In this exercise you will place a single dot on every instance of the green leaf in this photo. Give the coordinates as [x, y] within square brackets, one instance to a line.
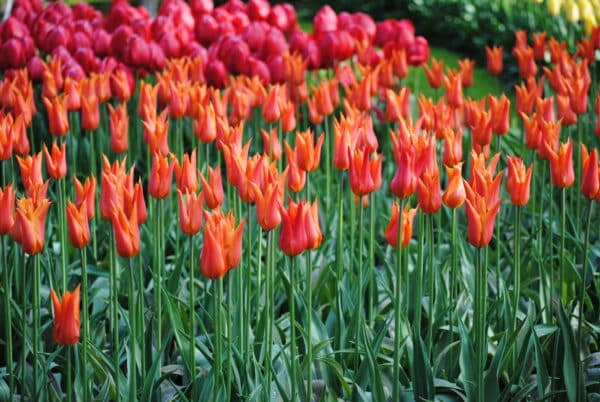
[422, 373]
[570, 356]
[467, 361]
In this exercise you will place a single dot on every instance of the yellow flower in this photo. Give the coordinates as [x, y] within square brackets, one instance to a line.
[572, 11]
[554, 7]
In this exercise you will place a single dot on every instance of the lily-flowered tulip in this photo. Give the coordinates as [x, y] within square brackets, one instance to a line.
[454, 90]
[58, 120]
[159, 184]
[428, 191]
[7, 209]
[56, 160]
[86, 194]
[455, 193]
[308, 154]
[518, 182]
[406, 222]
[190, 212]
[294, 238]
[126, 231]
[364, 172]
[590, 174]
[494, 59]
[90, 113]
[6, 136]
[156, 131]
[561, 165]
[30, 225]
[271, 144]
[435, 73]
[66, 317]
[500, 111]
[213, 188]
[404, 183]
[119, 128]
[467, 67]
[77, 222]
[481, 216]
[452, 155]
[267, 205]
[222, 247]
[271, 110]
[31, 170]
[186, 174]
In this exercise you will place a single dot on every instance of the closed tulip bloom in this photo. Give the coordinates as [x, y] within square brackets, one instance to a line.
[533, 134]
[56, 160]
[429, 192]
[561, 165]
[292, 237]
[288, 117]
[190, 212]
[364, 172]
[213, 188]
[396, 222]
[86, 194]
[119, 127]
[77, 222]
[159, 184]
[494, 59]
[6, 136]
[314, 237]
[271, 110]
[136, 197]
[31, 170]
[454, 90]
[341, 147]
[518, 182]
[527, 66]
[435, 73]
[271, 144]
[481, 216]
[58, 120]
[404, 183]
[205, 123]
[212, 260]
[119, 85]
[466, 72]
[30, 225]
[21, 144]
[186, 173]
[126, 231]
[590, 173]
[66, 317]
[7, 209]
[455, 193]
[90, 113]
[452, 155]
[296, 176]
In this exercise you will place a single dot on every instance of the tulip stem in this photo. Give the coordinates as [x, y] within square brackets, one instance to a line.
[292, 315]
[586, 245]
[480, 319]
[372, 294]
[397, 316]
[453, 282]
[132, 335]
[340, 269]
[561, 274]
[431, 274]
[217, 295]
[158, 278]
[192, 322]
[327, 143]
[8, 317]
[269, 301]
[517, 277]
[229, 331]
[418, 292]
[114, 313]
[36, 326]
[359, 300]
[86, 324]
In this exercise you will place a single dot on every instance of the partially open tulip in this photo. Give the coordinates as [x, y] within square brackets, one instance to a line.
[31, 170]
[500, 111]
[455, 193]
[494, 59]
[6, 136]
[77, 222]
[561, 165]
[190, 212]
[222, 247]
[481, 216]
[396, 222]
[30, 225]
[213, 188]
[292, 237]
[126, 231]
[86, 194]
[159, 184]
[271, 144]
[404, 183]
[454, 90]
[90, 113]
[428, 191]
[518, 182]
[308, 154]
[186, 174]
[267, 205]
[467, 66]
[119, 128]
[156, 131]
[7, 209]
[364, 172]
[58, 120]
[590, 174]
[66, 317]
[56, 160]
[435, 73]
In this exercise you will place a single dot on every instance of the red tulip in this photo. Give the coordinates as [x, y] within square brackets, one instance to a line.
[518, 182]
[56, 160]
[77, 222]
[7, 208]
[405, 222]
[190, 212]
[66, 317]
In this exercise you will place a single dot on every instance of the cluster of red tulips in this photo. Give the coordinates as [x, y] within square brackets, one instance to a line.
[231, 90]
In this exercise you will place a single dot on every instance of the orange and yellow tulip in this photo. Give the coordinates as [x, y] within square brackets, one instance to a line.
[518, 182]
[406, 222]
[77, 222]
[30, 225]
[66, 317]
[56, 160]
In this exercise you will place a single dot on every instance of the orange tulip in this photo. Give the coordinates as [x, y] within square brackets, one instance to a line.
[119, 127]
[452, 155]
[77, 222]
[454, 90]
[455, 194]
[481, 215]
[404, 183]
[561, 165]
[533, 134]
[21, 144]
[500, 110]
[391, 232]
[90, 113]
[213, 188]
[7, 208]
[364, 172]
[186, 173]
[30, 224]
[467, 67]
[271, 110]
[58, 120]
[190, 212]
[539, 45]
[6, 136]
[293, 238]
[481, 131]
[428, 191]
[435, 73]
[564, 112]
[148, 99]
[288, 116]
[397, 104]
[494, 59]
[31, 170]
[159, 184]
[518, 181]
[56, 160]
[308, 154]
[271, 144]
[590, 173]
[296, 176]
[527, 66]
[86, 194]
[525, 98]
[120, 86]
[72, 95]
[126, 231]
[222, 247]
[267, 205]
[205, 124]
[66, 317]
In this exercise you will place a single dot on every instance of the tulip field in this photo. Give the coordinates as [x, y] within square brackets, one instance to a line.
[213, 204]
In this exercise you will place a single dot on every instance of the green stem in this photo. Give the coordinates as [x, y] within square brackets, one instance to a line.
[418, 292]
[309, 344]
[141, 310]
[480, 320]
[561, 275]
[218, 296]
[132, 335]
[114, 314]
[544, 274]
[36, 327]
[372, 294]
[360, 302]
[517, 278]
[292, 318]
[340, 269]
[269, 302]
[158, 270]
[397, 300]
[8, 317]
[86, 324]
[586, 245]
[453, 283]
[431, 275]
[192, 321]
[229, 336]
[327, 144]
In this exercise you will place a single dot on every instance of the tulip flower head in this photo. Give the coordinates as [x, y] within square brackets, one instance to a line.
[56, 160]
[66, 313]
[455, 193]
[518, 181]
[7, 209]
[494, 59]
[77, 222]
[30, 225]
[190, 212]
[481, 216]
[590, 176]
[222, 247]
[561, 165]
[397, 222]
